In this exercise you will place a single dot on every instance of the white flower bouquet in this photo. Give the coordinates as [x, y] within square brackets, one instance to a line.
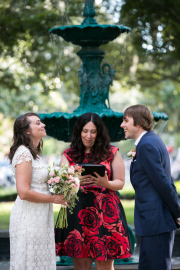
[65, 180]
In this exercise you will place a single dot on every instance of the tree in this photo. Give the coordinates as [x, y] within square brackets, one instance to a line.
[156, 53]
[39, 72]
[34, 64]
[30, 67]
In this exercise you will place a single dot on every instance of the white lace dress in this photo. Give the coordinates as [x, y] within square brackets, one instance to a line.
[32, 244]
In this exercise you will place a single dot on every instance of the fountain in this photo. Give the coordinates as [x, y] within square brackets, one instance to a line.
[94, 80]
[94, 83]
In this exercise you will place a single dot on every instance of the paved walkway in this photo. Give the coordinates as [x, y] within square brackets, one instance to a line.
[4, 265]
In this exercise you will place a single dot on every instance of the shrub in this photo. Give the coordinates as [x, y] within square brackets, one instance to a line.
[128, 193]
[7, 195]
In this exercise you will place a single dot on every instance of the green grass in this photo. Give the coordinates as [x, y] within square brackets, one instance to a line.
[6, 207]
[177, 184]
[129, 210]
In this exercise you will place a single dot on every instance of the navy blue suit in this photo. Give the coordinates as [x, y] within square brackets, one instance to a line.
[156, 201]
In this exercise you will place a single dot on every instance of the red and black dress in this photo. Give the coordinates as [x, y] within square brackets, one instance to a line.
[97, 228]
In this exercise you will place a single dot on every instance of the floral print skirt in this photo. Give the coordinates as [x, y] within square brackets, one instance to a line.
[97, 228]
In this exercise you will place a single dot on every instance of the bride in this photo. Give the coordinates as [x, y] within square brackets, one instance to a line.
[32, 243]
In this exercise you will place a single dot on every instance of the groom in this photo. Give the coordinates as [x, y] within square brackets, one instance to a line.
[157, 206]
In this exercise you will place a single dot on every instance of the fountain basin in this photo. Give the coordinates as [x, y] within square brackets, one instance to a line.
[90, 34]
[60, 125]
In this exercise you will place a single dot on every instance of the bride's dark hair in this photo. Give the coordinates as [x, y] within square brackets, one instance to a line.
[21, 124]
[100, 149]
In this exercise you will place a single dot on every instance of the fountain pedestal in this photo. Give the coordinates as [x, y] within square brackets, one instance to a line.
[94, 84]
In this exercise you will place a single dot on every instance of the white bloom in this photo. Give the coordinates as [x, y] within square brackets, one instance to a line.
[129, 154]
[77, 182]
[71, 169]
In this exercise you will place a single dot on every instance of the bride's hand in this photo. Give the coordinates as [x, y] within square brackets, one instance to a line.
[59, 199]
[86, 180]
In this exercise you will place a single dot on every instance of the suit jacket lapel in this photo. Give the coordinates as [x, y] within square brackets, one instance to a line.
[132, 163]
[131, 167]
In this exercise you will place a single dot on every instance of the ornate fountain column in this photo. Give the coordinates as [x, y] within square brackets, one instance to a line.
[94, 83]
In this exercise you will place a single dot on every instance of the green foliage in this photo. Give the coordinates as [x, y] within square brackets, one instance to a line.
[34, 64]
[5, 210]
[128, 193]
[155, 54]
[53, 146]
[128, 206]
[39, 72]
[29, 66]
[177, 184]
[7, 195]
[125, 147]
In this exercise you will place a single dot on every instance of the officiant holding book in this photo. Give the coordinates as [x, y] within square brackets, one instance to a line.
[97, 229]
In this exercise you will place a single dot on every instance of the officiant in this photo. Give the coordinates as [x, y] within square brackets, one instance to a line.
[97, 229]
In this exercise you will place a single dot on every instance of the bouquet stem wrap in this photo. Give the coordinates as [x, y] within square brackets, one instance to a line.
[62, 218]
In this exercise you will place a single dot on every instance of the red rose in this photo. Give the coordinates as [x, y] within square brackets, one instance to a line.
[74, 244]
[112, 246]
[117, 246]
[114, 195]
[91, 220]
[124, 244]
[98, 200]
[60, 250]
[97, 249]
[111, 213]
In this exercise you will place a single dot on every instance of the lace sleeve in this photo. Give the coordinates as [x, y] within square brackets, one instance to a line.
[22, 154]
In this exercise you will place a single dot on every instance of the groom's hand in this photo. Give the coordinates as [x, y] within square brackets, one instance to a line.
[178, 220]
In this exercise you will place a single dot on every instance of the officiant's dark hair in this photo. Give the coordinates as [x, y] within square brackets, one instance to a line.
[20, 137]
[100, 149]
[141, 115]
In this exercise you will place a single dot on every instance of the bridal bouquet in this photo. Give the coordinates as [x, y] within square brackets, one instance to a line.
[65, 180]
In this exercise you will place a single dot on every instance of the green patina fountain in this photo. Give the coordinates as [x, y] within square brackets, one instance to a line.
[94, 80]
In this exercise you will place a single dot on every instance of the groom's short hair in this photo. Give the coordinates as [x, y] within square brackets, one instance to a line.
[141, 115]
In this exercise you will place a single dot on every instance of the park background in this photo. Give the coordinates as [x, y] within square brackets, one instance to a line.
[38, 72]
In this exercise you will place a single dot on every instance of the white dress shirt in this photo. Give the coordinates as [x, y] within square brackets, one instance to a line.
[139, 138]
